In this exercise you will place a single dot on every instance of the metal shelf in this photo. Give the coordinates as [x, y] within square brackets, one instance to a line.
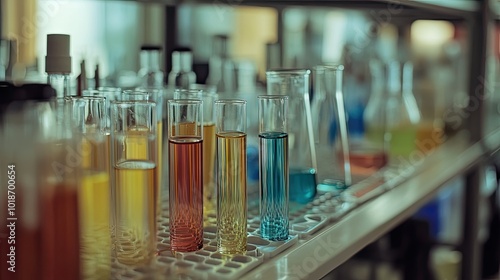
[446, 9]
[314, 258]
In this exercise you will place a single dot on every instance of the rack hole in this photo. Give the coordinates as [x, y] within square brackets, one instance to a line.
[232, 265]
[242, 259]
[257, 241]
[224, 271]
[194, 258]
[213, 262]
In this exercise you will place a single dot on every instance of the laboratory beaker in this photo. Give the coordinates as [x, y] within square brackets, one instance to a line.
[231, 176]
[185, 174]
[274, 170]
[42, 161]
[94, 195]
[209, 140]
[134, 156]
[295, 84]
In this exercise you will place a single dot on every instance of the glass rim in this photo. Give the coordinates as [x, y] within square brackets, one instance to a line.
[92, 91]
[230, 101]
[336, 67]
[289, 72]
[136, 91]
[109, 89]
[147, 90]
[186, 101]
[201, 92]
[85, 97]
[273, 97]
[123, 103]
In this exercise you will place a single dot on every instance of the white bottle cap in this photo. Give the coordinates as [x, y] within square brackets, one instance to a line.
[58, 60]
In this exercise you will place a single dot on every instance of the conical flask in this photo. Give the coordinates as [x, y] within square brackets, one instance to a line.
[302, 176]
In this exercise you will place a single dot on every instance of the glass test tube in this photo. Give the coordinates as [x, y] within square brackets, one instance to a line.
[303, 165]
[185, 174]
[209, 139]
[154, 95]
[94, 194]
[231, 176]
[133, 132]
[273, 161]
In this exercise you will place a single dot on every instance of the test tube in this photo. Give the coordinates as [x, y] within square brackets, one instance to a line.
[154, 95]
[133, 132]
[94, 194]
[185, 174]
[231, 176]
[209, 139]
[273, 171]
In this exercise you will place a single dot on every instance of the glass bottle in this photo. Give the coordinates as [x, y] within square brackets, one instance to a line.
[220, 66]
[58, 63]
[182, 75]
[150, 74]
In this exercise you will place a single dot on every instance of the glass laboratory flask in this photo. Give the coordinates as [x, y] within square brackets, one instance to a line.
[330, 128]
[303, 167]
[392, 115]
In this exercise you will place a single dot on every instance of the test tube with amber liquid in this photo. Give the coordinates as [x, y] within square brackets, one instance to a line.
[185, 174]
[231, 176]
[156, 96]
[94, 194]
[134, 156]
[209, 139]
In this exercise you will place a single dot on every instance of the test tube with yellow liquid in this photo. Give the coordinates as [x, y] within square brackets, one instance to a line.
[94, 194]
[137, 140]
[231, 176]
[209, 140]
[134, 157]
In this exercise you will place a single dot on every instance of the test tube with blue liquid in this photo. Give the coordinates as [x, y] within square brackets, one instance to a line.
[273, 171]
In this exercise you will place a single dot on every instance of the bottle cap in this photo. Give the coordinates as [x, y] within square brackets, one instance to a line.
[58, 59]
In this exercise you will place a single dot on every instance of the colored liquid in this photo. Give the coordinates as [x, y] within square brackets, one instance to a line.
[232, 193]
[366, 161]
[302, 184]
[429, 137]
[60, 254]
[402, 139]
[94, 207]
[186, 194]
[209, 167]
[274, 185]
[135, 211]
[159, 159]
